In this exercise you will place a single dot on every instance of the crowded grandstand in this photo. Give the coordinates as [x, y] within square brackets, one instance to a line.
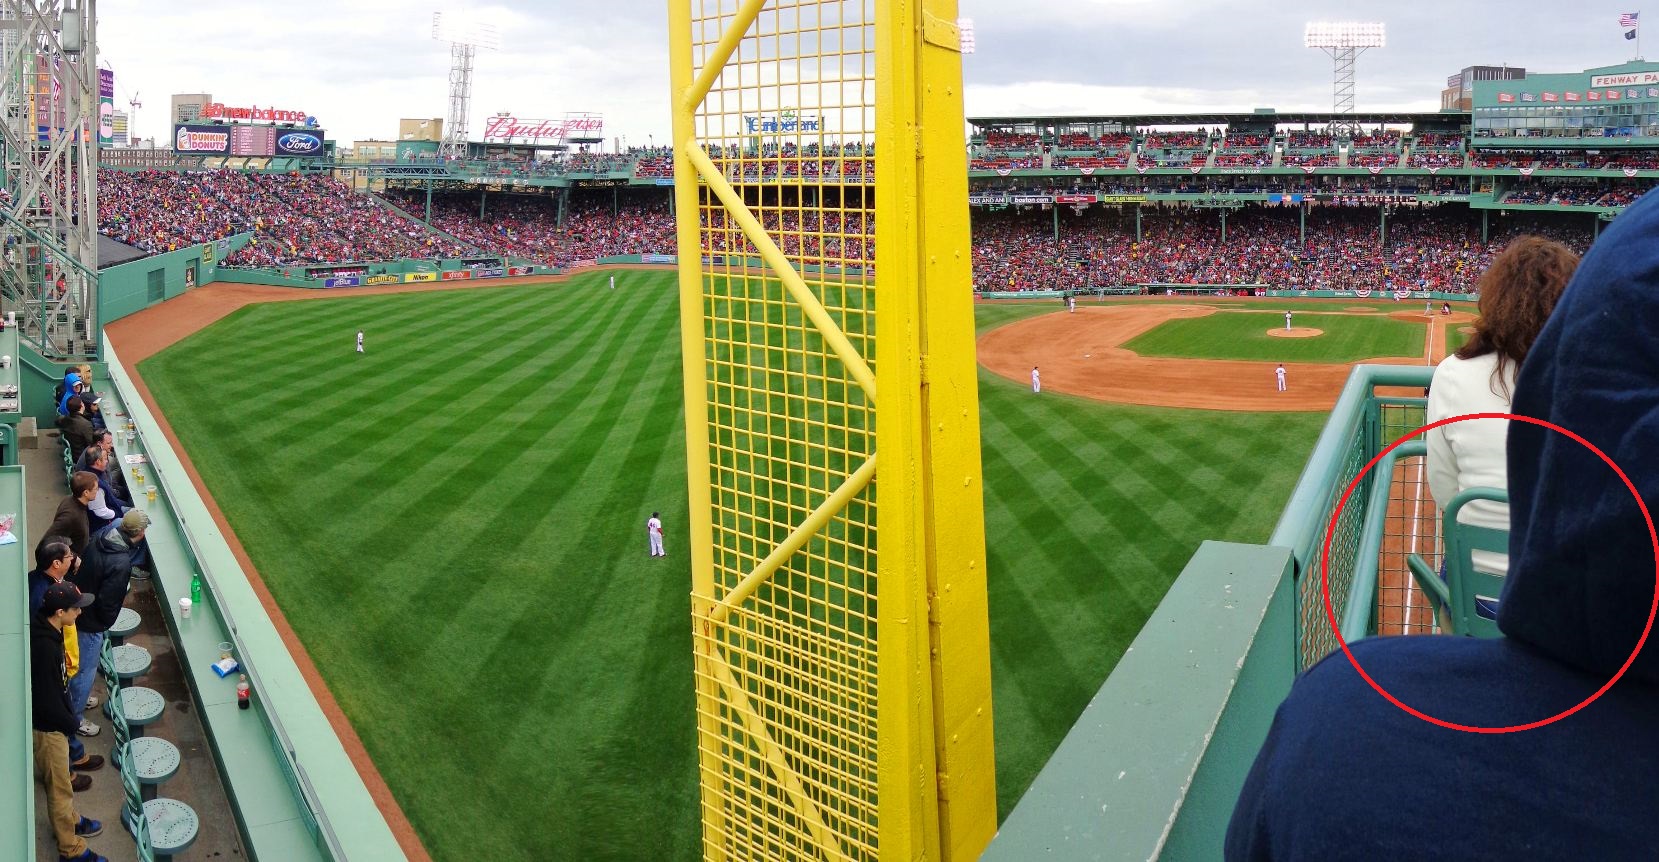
[1077, 204]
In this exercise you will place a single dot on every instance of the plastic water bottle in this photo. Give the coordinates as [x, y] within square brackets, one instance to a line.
[196, 588]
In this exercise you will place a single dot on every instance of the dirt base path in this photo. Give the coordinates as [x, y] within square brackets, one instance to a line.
[1082, 354]
[142, 335]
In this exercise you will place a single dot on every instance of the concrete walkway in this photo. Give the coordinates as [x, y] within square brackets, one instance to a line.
[197, 782]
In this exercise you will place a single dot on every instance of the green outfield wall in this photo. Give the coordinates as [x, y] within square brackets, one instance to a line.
[132, 287]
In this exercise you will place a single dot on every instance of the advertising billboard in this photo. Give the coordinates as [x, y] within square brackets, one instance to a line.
[195, 138]
[106, 107]
[299, 142]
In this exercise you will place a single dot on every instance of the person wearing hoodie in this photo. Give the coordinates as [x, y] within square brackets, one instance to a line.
[54, 722]
[1345, 775]
[65, 388]
[54, 560]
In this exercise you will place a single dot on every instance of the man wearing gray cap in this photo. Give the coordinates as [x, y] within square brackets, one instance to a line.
[105, 574]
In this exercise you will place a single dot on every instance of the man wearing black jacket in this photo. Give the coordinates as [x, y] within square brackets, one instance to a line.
[106, 573]
[54, 721]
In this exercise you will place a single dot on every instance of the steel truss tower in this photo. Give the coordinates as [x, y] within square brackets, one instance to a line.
[465, 36]
[1344, 41]
[49, 152]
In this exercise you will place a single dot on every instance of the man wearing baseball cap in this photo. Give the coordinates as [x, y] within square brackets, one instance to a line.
[54, 721]
[106, 574]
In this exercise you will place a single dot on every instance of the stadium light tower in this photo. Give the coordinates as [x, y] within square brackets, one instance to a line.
[465, 35]
[1344, 41]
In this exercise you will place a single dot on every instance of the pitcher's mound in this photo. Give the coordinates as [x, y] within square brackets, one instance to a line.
[1296, 332]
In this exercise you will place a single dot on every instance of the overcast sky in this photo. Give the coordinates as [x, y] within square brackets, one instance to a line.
[360, 65]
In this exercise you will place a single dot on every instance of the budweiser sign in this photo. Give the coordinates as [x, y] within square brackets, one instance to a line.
[218, 111]
[503, 128]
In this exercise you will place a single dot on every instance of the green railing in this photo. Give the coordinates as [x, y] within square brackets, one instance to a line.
[1153, 766]
[1360, 425]
[17, 762]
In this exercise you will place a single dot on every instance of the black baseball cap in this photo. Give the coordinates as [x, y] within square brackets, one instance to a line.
[63, 596]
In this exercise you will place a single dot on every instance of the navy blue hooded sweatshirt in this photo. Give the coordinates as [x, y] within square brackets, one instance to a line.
[1345, 775]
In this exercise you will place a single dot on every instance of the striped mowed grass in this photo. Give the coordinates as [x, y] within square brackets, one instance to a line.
[453, 524]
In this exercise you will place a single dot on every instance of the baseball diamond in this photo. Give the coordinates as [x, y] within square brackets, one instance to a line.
[803, 430]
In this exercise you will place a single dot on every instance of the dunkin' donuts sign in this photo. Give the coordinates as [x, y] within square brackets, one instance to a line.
[201, 139]
[508, 127]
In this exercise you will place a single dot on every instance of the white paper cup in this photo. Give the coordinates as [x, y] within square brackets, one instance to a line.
[184, 607]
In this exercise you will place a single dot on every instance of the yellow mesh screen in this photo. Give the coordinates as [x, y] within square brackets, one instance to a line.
[785, 622]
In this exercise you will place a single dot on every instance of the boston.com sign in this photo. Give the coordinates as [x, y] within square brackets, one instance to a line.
[787, 121]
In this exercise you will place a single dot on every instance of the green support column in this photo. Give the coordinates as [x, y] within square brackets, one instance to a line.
[564, 200]
[1137, 223]
[1595, 230]
[1056, 208]
[1302, 218]
[1485, 224]
[482, 192]
[615, 193]
[429, 203]
[1224, 227]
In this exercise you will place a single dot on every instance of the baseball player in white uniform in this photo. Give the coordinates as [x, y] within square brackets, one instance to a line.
[1036, 380]
[653, 531]
[613, 282]
[359, 341]
[1280, 374]
[1287, 321]
[1071, 304]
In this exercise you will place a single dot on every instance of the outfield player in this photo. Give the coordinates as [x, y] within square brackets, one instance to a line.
[653, 531]
[1036, 380]
[1280, 374]
[613, 282]
[359, 341]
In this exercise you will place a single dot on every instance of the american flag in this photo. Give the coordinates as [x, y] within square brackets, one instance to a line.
[1628, 19]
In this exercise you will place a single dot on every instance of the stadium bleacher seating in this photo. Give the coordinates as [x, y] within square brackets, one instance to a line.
[1434, 248]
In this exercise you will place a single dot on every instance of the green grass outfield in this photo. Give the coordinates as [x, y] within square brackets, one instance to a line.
[454, 526]
[1243, 335]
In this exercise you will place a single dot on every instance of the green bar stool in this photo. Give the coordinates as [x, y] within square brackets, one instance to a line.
[126, 623]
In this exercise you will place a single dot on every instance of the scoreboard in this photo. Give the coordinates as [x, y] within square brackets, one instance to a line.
[248, 139]
[252, 140]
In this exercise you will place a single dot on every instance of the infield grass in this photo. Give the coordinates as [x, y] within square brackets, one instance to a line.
[1244, 335]
[453, 524]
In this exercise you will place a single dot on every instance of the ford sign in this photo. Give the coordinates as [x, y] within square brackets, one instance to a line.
[299, 144]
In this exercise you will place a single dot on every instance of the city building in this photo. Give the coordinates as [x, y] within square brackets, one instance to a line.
[1460, 88]
[119, 121]
[187, 107]
[420, 130]
[1613, 105]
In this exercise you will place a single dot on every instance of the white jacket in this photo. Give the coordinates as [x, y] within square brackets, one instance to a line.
[1471, 454]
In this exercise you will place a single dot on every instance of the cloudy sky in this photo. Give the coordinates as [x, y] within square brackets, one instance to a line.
[360, 65]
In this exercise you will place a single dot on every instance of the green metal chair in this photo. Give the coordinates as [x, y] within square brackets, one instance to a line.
[1459, 593]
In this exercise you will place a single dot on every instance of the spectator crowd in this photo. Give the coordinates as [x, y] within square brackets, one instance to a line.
[1434, 249]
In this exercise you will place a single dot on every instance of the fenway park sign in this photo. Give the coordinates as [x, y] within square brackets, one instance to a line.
[503, 128]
